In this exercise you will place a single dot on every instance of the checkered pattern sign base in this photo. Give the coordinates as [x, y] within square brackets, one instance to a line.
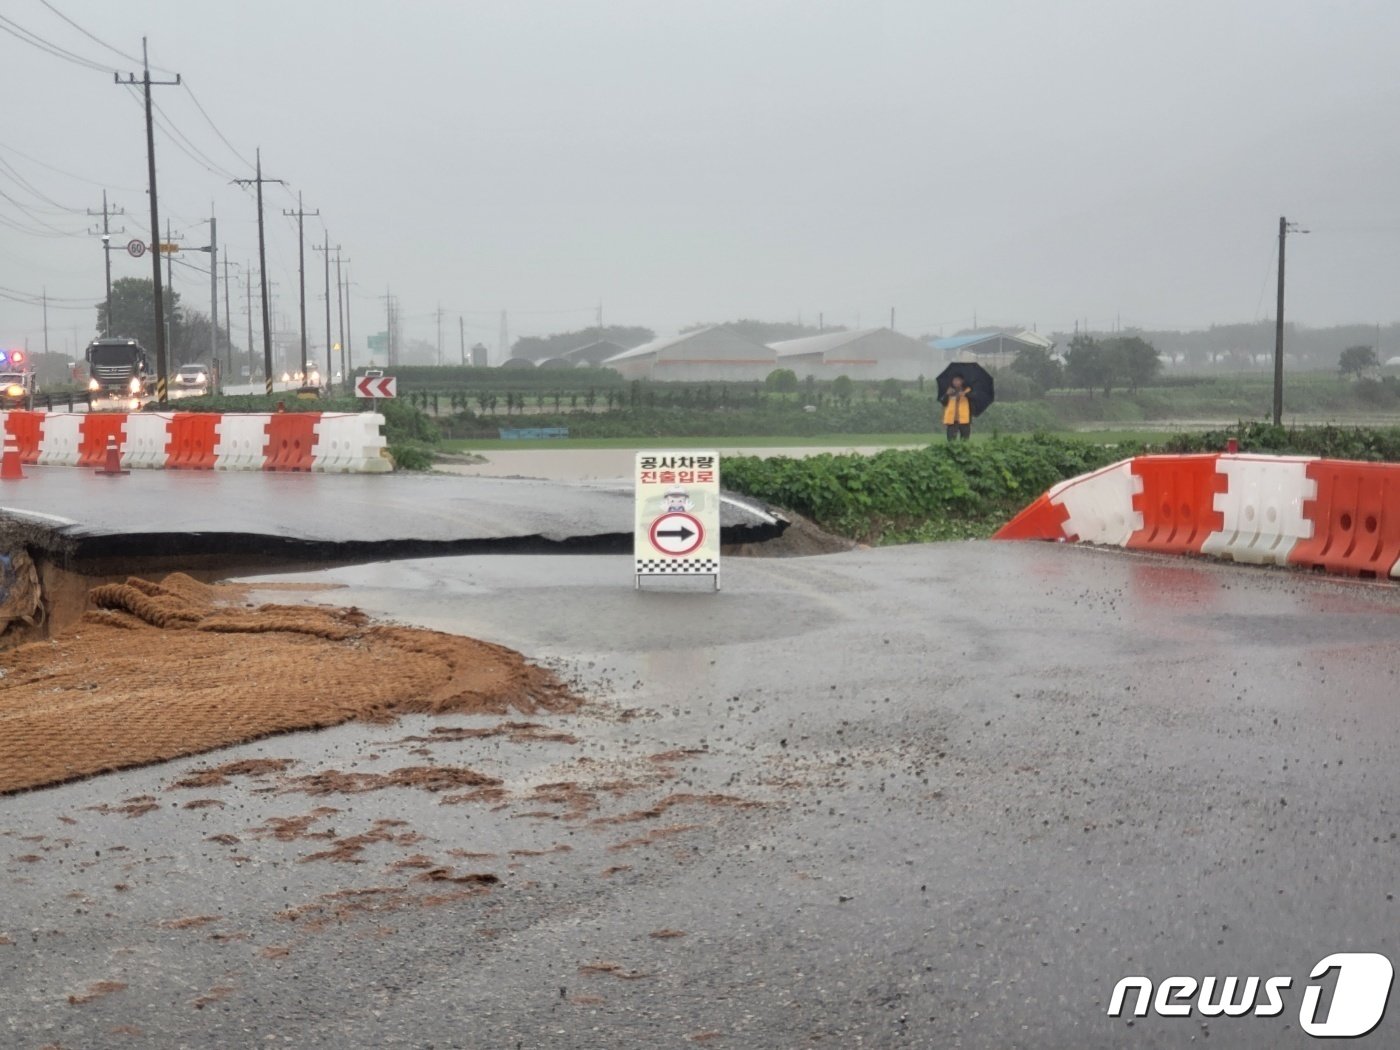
[677, 567]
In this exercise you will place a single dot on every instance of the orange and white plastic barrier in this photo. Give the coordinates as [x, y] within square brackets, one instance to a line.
[315, 441]
[147, 435]
[241, 441]
[1334, 515]
[60, 437]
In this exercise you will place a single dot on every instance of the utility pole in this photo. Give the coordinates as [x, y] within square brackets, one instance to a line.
[327, 249]
[158, 302]
[301, 213]
[252, 361]
[391, 316]
[891, 318]
[388, 326]
[262, 277]
[46, 320]
[462, 335]
[1284, 229]
[228, 322]
[213, 293]
[340, 311]
[107, 253]
[439, 321]
[349, 337]
[168, 250]
[504, 339]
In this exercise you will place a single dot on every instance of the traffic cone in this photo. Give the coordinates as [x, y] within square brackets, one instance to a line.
[113, 466]
[10, 467]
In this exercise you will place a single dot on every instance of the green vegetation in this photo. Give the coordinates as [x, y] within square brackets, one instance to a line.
[1370, 444]
[943, 491]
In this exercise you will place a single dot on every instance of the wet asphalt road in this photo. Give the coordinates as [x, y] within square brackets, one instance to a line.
[990, 780]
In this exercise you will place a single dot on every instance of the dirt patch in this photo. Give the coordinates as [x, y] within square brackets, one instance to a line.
[290, 829]
[800, 539]
[657, 809]
[428, 778]
[250, 767]
[654, 836]
[515, 732]
[471, 878]
[611, 969]
[347, 850]
[96, 990]
[346, 905]
[132, 807]
[160, 670]
[190, 922]
[217, 994]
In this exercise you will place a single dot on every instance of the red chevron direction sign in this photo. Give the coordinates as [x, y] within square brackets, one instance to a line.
[677, 533]
[376, 386]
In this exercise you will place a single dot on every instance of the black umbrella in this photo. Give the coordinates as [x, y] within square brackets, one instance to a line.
[981, 389]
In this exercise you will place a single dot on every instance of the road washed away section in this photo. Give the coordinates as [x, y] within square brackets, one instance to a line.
[1330, 515]
[160, 521]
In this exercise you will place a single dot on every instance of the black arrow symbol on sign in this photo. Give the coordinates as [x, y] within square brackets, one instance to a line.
[683, 533]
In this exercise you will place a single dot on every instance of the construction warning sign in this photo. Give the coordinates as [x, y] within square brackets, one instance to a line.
[677, 514]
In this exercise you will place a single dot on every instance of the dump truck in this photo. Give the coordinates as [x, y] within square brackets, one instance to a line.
[119, 370]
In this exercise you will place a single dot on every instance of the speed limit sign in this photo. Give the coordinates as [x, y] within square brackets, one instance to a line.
[136, 248]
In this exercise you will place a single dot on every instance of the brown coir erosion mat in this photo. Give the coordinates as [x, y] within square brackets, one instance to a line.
[160, 670]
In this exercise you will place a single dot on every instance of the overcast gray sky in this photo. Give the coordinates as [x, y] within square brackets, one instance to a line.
[1018, 162]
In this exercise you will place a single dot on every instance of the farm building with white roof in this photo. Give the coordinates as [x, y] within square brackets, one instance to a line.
[715, 353]
[994, 348]
[866, 353]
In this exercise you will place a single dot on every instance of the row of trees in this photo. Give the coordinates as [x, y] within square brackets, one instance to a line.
[539, 347]
[1092, 364]
[133, 317]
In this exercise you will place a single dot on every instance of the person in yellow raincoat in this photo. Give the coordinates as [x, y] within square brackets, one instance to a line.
[957, 410]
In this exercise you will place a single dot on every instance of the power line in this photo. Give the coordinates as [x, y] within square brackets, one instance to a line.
[188, 141]
[69, 174]
[49, 229]
[35, 40]
[26, 184]
[178, 140]
[37, 297]
[94, 39]
[207, 117]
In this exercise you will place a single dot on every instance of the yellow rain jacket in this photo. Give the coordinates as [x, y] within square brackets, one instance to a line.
[958, 409]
